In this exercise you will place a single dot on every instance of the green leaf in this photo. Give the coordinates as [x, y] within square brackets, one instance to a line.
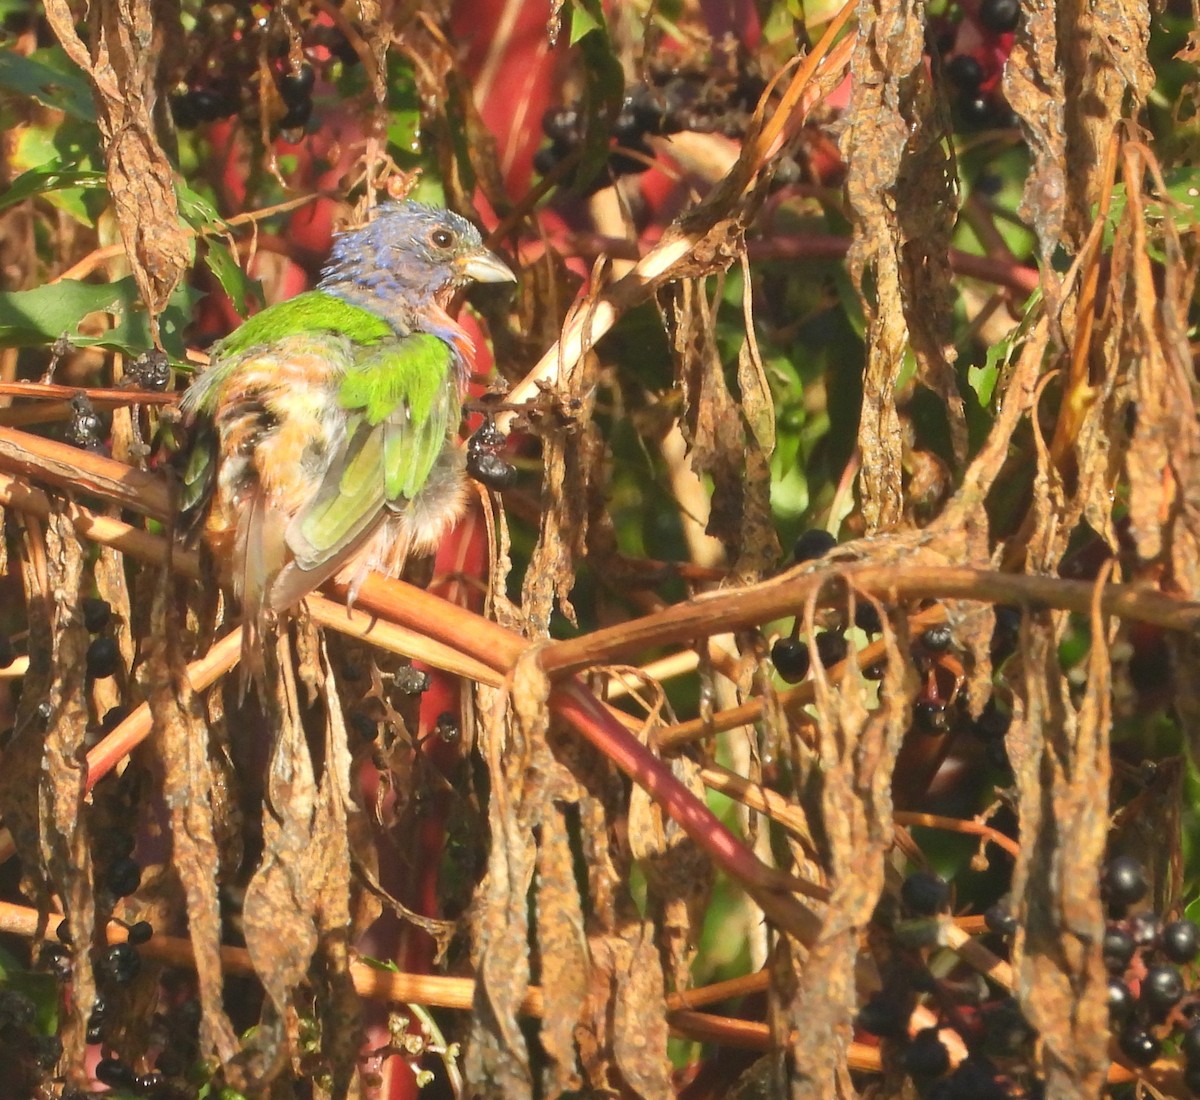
[197, 211]
[54, 176]
[31, 318]
[1181, 204]
[983, 379]
[586, 16]
[49, 77]
[243, 291]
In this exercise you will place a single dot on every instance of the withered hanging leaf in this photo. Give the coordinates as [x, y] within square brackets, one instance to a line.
[66, 855]
[562, 949]
[716, 432]
[1061, 765]
[341, 1032]
[1034, 87]
[625, 1043]
[679, 876]
[572, 451]
[121, 65]
[853, 778]
[899, 185]
[497, 1059]
[282, 892]
[1105, 72]
[181, 740]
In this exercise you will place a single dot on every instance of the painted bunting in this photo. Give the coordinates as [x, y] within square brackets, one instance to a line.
[323, 432]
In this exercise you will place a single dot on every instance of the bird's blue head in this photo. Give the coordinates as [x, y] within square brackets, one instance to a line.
[405, 264]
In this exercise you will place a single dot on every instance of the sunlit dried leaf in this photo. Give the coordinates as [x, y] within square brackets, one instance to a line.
[1034, 87]
[679, 877]
[121, 63]
[282, 891]
[181, 738]
[1062, 769]
[563, 950]
[852, 778]
[719, 444]
[66, 855]
[901, 192]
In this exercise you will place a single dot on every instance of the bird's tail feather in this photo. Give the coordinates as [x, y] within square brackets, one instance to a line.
[261, 549]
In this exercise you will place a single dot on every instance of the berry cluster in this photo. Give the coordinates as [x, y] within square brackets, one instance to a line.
[973, 53]
[103, 654]
[1148, 998]
[671, 99]
[996, 1037]
[223, 75]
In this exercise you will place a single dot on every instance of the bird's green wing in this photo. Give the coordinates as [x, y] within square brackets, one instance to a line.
[402, 402]
[313, 325]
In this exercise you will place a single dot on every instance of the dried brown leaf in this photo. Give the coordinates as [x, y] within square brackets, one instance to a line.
[562, 949]
[1034, 87]
[66, 855]
[511, 741]
[181, 740]
[282, 892]
[715, 428]
[851, 776]
[1061, 765]
[120, 62]
[901, 194]
[679, 875]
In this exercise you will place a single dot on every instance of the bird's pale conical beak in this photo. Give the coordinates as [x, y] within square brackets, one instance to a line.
[483, 267]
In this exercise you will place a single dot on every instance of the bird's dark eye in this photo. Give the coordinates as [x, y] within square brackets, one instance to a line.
[441, 238]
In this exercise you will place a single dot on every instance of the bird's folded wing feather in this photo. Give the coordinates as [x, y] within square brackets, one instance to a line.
[402, 401]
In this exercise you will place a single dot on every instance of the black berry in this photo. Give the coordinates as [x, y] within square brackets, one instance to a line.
[926, 1055]
[447, 727]
[7, 653]
[831, 647]
[993, 722]
[120, 963]
[1118, 949]
[124, 877]
[1124, 881]
[149, 371]
[140, 932]
[976, 110]
[883, 1016]
[965, 71]
[812, 544]
[925, 894]
[115, 1074]
[866, 618]
[364, 725]
[96, 614]
[1000, 920]
[1006, 631]
[938, 638]
[1000, 16]
[1180, 941]
[1006, 1029]
[1144, 928]
[791, 659]
[1189, 1045]
[1162, 989]
[876, 670]
[492, 470]
[931, 716]
[85, 429]
[296, 85]
[1139, 1046]
[103, 658]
